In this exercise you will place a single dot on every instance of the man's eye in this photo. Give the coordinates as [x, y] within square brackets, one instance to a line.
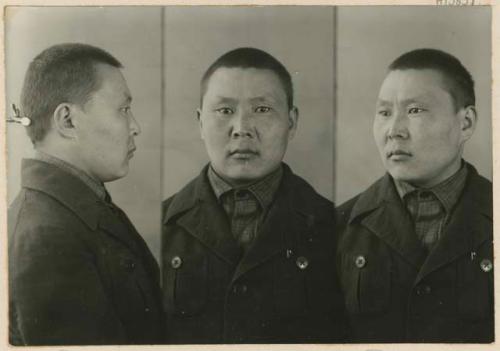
[224, 111]
[414, 110]
[262, 109]
[383, 113]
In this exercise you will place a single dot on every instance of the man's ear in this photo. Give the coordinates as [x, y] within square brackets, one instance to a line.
[468, 121]
[200, 123]
[63, 118]
[293, 120]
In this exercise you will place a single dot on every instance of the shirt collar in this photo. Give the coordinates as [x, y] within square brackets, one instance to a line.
[263, 190]
[96, 186]
[447, 192]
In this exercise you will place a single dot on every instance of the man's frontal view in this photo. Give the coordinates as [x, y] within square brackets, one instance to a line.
[248, 247]
[416, 247]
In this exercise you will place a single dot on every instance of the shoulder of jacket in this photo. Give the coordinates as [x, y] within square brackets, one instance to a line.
[180, 201]
[343, 211]
[303, 192]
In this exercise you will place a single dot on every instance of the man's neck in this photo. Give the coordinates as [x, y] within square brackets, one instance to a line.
[64, 153]
[96, 185]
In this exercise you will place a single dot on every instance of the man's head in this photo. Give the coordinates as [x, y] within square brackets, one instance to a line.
[425, 112]
[246, 115]
[79, 105]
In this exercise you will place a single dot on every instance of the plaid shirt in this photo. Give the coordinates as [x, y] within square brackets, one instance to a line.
[431, 208]
[246, 207]
[96, 186]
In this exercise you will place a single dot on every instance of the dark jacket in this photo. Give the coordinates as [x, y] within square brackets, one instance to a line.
[394, 293]
[211, 296]
[78, 274]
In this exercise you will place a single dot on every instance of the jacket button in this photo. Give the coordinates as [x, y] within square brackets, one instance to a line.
[302, 262]
[486, 265]
[360, 261]
[240, 289]
[176, 262]
[129, 264]
[423, 290]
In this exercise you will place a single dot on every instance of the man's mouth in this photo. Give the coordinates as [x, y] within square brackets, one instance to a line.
[398, 154]
[243, 154]
[131, 151]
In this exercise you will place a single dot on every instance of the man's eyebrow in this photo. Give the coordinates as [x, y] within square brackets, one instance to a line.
[416, 99]
[223, 99]
[264, 98]
[381, 102]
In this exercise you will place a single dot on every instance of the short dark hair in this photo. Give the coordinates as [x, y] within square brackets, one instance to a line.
[60, 73]
[250, 58]
[458, 81]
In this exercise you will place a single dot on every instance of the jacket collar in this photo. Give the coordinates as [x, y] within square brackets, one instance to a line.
[384, 191]
[380, 192]
[64, 187]
[196, 209]
[74, 194]
[199, 190]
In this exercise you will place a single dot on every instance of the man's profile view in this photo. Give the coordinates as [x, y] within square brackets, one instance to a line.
[79, 273]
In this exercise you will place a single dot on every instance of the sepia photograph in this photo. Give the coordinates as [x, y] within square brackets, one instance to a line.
[249, 175]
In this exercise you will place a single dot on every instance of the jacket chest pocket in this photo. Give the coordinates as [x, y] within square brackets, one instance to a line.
[366, 281]
[475, 287]
[186, 284]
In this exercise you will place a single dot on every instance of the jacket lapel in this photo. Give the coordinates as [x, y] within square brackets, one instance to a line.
[113, 225]
[289, 217]
[271, 237]
[470, 226]
[117, 224]
[381, 211]
[208, 223]
[198, 212]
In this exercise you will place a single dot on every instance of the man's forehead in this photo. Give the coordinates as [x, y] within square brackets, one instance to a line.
[262, 82]
[112, 82]
[414, 84]
[230, 73]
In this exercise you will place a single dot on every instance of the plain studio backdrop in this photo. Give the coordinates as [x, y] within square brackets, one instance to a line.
[166, 50]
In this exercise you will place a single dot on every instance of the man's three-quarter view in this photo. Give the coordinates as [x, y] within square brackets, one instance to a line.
[416, 248]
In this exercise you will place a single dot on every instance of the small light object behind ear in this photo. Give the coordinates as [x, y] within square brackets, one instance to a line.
[17, 118]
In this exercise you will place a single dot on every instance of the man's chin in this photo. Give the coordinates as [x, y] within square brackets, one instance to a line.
[115, 175]
[242, 177]
[402, 175]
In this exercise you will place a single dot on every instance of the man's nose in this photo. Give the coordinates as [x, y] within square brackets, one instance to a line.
[243, 125]
[398, 127]
[135, 128]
